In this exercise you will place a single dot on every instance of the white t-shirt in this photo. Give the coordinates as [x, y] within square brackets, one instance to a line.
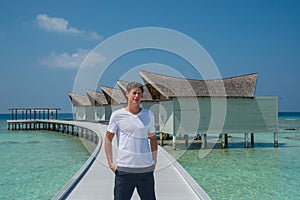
[132, 137]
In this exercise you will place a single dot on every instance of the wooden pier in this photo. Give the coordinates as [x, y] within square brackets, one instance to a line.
[47, 119]
[54, 125]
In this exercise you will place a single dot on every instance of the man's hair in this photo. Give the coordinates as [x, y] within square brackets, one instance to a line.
[134, 85]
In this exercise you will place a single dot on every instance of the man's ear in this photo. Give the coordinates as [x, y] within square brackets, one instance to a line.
[127, 94]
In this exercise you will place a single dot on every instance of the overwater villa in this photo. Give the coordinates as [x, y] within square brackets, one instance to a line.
[189, 106]
[101, 107]
[82, 106]
[185, 107]
[115, 99]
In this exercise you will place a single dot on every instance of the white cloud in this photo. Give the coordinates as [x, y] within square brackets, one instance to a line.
[72, 60]
[61, 25]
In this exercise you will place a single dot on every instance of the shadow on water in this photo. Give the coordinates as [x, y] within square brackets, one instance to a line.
[30, 142]
[292, 137]
[237, 145]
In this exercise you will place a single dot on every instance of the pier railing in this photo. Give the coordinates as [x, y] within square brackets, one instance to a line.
[34, 113]
[62, 126]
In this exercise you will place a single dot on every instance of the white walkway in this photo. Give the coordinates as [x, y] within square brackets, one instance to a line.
[172, 181]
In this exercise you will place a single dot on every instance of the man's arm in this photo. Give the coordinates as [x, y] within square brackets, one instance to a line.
[108, 150]
[153, 145]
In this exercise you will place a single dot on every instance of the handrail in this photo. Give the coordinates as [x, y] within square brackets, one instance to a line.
[72, 183]
[66, 190]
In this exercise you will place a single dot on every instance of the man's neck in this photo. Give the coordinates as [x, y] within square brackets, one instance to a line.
[133, 109]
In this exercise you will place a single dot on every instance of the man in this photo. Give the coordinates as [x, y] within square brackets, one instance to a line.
[133, 127]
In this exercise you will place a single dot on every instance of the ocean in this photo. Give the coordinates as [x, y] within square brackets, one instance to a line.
[37, 164]
[262, 172]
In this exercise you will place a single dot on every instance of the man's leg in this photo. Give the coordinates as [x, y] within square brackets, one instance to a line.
[124, 185]
[146, 186]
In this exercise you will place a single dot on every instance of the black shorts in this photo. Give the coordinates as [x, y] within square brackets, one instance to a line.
[126, 182]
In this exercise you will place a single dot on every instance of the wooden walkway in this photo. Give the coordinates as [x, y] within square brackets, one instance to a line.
[95, 180]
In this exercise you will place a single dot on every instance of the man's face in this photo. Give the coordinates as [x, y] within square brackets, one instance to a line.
[135, 96]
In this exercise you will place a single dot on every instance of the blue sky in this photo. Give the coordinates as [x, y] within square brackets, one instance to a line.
[42, 43]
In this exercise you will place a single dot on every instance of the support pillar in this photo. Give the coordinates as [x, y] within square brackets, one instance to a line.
[246, 140]
[12, 115]
[226, 140]
[63, 128]
[276, 139]
[174, 142]
[203, 141]
[223, 141]
[186, 140]
[252, 139]
[76, 131]
[161, 139]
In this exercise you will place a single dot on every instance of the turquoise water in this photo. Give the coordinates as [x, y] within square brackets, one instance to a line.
[263, 172]
[37, 164]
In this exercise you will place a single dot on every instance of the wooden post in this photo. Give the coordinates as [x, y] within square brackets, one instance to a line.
[246, 140]
[77, 131]
[276, 139]
[174, 142]
[252, 139]
[186, 140]
[84, 133]
[226, 140]
[161, 139]
[203, 141]
[223, 141]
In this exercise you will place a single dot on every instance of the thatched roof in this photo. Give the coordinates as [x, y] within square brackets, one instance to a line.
[113, 95]
[146, 95]
[96, 98]
[164, 87]
[79, 100]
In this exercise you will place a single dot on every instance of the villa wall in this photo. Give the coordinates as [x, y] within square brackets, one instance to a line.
[242, 115]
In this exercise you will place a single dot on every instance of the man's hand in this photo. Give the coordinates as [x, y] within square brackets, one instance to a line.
[112, 166]
[153, 145]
